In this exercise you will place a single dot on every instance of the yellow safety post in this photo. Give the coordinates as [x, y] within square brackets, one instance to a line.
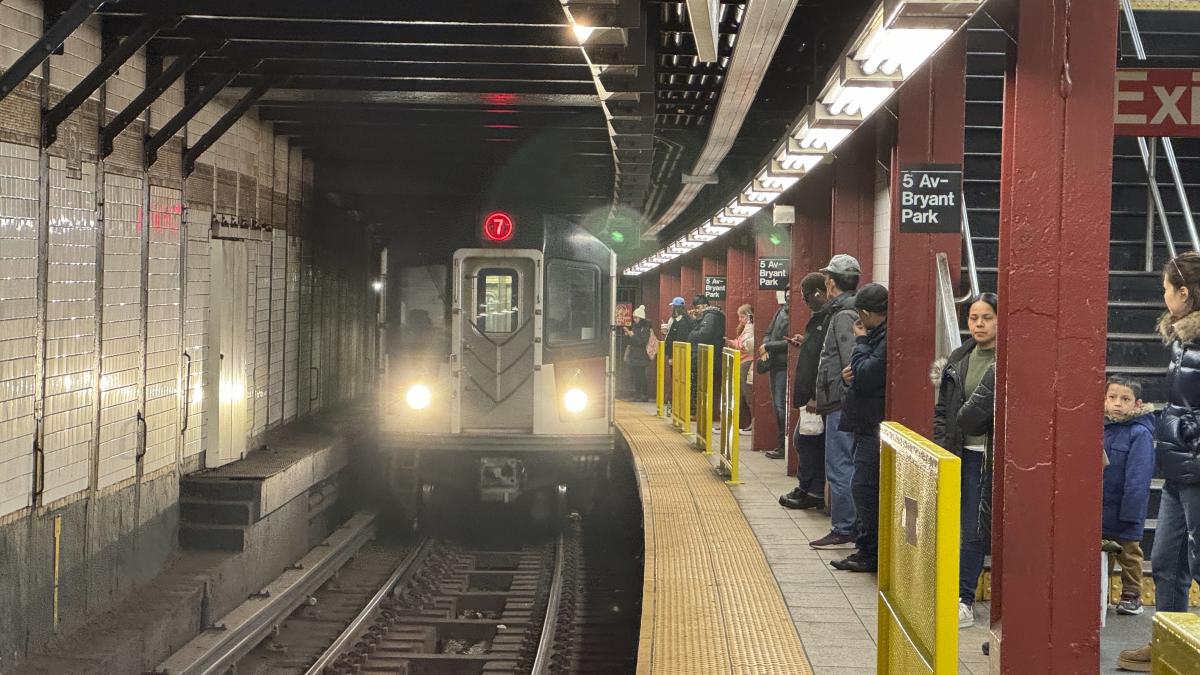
[660, 379]
[681, 386]
[918, 554]
[731, 396]
[704, 387]
[1175, 643]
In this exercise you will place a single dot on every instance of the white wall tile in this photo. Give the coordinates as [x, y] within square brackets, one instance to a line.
[163, 307]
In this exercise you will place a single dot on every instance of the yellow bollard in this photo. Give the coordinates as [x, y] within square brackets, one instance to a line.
[731, 395]
[660, 389]
[1175, 643]
[918, 554]
[681, 386]
[704, 411]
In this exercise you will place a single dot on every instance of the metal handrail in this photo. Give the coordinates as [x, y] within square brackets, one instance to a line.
[1168, 149]
[948, 337]
[972, 270]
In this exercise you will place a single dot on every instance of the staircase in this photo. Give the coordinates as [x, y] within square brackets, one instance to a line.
[1135, 294]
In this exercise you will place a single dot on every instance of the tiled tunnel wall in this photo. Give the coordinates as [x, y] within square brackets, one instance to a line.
[106, 320]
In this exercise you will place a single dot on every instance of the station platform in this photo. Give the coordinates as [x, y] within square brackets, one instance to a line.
[731, 584]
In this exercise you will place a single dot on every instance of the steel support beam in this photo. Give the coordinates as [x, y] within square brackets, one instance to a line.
[109, 65]
[155, 89]
[49, 43]
[929, 130]
[766, 303]
[1056, 188]
[185, 114]
[852, 214]
[191, 154]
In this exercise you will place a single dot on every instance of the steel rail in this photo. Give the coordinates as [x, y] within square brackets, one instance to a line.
[218, 649]
[368, 611]
[542, 662]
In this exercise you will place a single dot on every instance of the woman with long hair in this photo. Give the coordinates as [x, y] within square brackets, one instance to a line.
[1175, 558]
[744, 343]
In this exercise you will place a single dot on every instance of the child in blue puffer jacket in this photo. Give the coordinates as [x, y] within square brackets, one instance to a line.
[1129, 446]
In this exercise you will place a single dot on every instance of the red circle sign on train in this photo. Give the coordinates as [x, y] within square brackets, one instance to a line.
[498, 226]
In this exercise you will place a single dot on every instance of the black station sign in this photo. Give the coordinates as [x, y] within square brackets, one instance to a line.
[931, 198]
[773, 274]
[715, 287]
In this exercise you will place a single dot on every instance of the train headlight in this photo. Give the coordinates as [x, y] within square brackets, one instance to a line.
[575, 401]
[419, 397]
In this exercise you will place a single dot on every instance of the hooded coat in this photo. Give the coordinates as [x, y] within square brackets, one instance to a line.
[1177, 434]
[949, 375]
[863, 403]
[775, 340]
[1129, 443]
[708, 330]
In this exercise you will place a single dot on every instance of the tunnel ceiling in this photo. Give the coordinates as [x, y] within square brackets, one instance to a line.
[420, 111]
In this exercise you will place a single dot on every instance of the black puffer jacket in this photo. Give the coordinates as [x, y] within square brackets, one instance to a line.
[1177, 435]
[804, 382]
[950, 375]
[862, 406]
[709, 330]
[976, 417]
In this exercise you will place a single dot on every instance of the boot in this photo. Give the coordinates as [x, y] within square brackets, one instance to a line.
[1137, 660]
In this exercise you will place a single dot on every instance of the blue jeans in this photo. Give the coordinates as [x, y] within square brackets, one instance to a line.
[973, 546]
[866, 494]
[839, 474]
[1176, 554]
[779, 399]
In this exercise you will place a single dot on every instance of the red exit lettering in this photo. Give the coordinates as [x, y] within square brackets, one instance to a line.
[1157, 102]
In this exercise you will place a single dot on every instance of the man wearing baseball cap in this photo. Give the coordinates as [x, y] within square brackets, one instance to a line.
[862, 412]
[841, 280]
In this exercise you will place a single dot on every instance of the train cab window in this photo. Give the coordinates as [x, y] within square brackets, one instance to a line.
[572, 302]
[497, 301]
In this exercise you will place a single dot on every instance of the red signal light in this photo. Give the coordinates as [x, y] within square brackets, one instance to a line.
[498, 226]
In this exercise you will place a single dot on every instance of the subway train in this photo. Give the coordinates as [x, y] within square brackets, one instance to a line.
[499, 376]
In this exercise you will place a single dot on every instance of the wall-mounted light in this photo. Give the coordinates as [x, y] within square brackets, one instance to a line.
[377, 285]
[582, 33]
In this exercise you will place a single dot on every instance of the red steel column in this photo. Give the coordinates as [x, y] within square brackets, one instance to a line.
[766, 435]
[739, 273]
[930, 131]
[853, 201]
[656, 311]
[690, 283]
[668, 287]
[713, 264]
[810, 237]
[1056, 186]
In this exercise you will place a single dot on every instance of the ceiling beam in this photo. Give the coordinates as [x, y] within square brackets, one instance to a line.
[459, 11]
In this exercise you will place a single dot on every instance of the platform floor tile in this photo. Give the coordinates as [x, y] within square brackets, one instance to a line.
[710, 601]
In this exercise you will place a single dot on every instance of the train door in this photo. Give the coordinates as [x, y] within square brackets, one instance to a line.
[228, 354]
[495, 342]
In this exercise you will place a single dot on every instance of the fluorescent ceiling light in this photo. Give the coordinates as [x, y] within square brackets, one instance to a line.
[856, 99]
[727, 220]
[899, 50]
[758, 196]
[582, 33]
[776, 183]
[737, 208]
[700, 235]
[714, 230]
[683, 242]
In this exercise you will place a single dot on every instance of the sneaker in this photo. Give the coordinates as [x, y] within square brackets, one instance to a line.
[966, 615]
[857, 562]
[1130, 605]
[777, 453]
[833, 540]
[1137, 660]
[804, 501]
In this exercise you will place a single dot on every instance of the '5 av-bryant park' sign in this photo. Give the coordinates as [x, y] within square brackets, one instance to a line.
[1157, 102]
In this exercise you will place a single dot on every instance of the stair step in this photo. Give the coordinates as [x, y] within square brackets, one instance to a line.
[212, 537]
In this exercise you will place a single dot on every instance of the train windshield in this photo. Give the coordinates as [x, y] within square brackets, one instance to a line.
[497, 301]
[573, 313]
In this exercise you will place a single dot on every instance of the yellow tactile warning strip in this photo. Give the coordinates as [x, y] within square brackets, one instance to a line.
[710, 603]
[1167, 5]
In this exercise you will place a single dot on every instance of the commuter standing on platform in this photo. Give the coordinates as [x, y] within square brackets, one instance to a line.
[709, 329]
[774, 352]
[744, 343]
[862, 413]
[841, 280]
[1129, 448]
[957, 377]
[678, 327]
[810, 447]
[636, 355]
[1175, 558]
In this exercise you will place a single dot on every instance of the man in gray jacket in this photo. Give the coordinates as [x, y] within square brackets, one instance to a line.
[841, 282]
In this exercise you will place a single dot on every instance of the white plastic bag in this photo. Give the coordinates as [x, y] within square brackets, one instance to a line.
[810, 424]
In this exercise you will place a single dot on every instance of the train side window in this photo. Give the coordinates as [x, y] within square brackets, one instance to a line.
[573, 302]
[497, 301]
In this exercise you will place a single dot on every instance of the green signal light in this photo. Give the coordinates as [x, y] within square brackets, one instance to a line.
[775, 239]
[617, 237]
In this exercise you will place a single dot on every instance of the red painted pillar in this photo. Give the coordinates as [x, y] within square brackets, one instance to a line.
[810, 237]
[656, 311]
[668, 287]
[853, 201]
[713, 264]
[740, 273]
[1056, 187]
[930, 131]
[766, 434]
[690, 283]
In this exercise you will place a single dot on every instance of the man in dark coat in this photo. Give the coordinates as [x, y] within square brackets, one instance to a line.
[862, 412]
[708, 329]
[810, 492]
[774, 351]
